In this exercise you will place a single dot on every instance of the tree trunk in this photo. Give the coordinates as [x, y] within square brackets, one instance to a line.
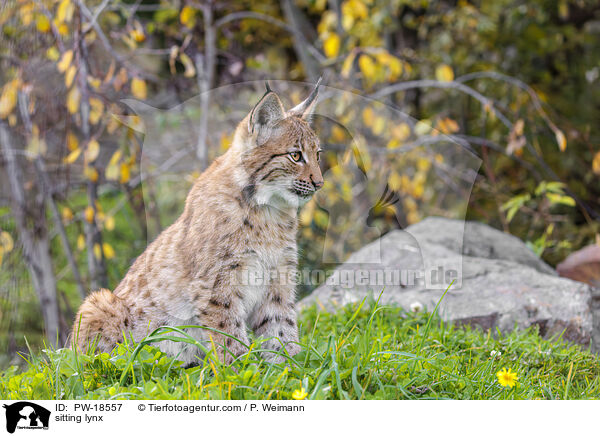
[296, 19]
[35, 241]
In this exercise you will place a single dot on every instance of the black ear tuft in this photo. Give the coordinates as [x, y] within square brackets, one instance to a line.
[305, 109]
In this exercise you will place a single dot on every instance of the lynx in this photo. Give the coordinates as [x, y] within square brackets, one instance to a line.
[214, 266]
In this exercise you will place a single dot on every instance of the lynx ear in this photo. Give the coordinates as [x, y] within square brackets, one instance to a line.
[305, 109]
[267, 111]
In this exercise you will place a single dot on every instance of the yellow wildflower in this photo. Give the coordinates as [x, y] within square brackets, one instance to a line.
[299, 394]
[507, 378]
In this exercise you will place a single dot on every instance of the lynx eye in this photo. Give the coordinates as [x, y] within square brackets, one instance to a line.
[296, 156]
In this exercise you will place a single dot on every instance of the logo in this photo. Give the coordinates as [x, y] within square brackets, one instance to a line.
[26, 415]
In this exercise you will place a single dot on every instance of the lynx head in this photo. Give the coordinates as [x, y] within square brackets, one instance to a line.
[280, 152]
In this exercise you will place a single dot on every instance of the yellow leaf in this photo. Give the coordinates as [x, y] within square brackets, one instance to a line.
[52, 53]
[347, 65]
[338, 133]
[225, 142]
[563, 10]
[423, 164]
[70, 75]
[347, 21]
[355, 9]
[596, 163]
[94, 82]
[92, 151]
[37, 146]
[190, 71]
[306, 215]
[8, 99]
[560, 199]
[392, 144]
[88, 214]
[321, 219]
[396, 67]
[1, 254]
[96, 110]
[65, 11]
[109, 224]
[6, 241]
[561, 140]
[444, 73]
[422, 127]
[97, 251]
[187, 17]
[173, 52]
[73, 100]
[112, 169]
[519, 127]
[447, 125]
[80, 242]
[378, 126]
[368, 116]
[393, 64]
[137, 33]
[120, 79]
[367, 66]
[109, 252]
[73, 156]
[62, 28]
[395, 181]
[115, 157]
[42, 23]
[401, 132]
[331, 46]
[65, 61]
[26, 13]
[138, 88]
[67, 214]
[91, 174]
[124, 174]
[72, 142]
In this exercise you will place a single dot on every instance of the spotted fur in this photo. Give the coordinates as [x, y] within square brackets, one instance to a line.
[239, 222]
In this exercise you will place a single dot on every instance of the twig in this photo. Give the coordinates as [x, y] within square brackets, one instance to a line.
[94, 18]
[55, 32]
[271, 20]
[107, 46]
[205, 71]
[586, 209]
[97, 267]
[513, 81]
[412, 84]
[49, 195]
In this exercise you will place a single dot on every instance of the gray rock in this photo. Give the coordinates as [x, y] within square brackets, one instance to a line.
[500, 282]
[596, 318]
[480, 240]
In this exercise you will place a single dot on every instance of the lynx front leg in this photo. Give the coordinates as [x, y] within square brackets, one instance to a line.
[276, 318]
[224, 311]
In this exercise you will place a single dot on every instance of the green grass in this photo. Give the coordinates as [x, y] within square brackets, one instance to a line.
[363, 351]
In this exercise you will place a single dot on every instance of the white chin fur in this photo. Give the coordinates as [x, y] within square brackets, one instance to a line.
[278, 196]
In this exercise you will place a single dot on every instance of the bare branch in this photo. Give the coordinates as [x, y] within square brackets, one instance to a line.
[274, 21]
[49, 193]
[412, 84]
[108, 47]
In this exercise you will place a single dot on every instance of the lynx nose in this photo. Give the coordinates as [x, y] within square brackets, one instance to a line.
[318, 184]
